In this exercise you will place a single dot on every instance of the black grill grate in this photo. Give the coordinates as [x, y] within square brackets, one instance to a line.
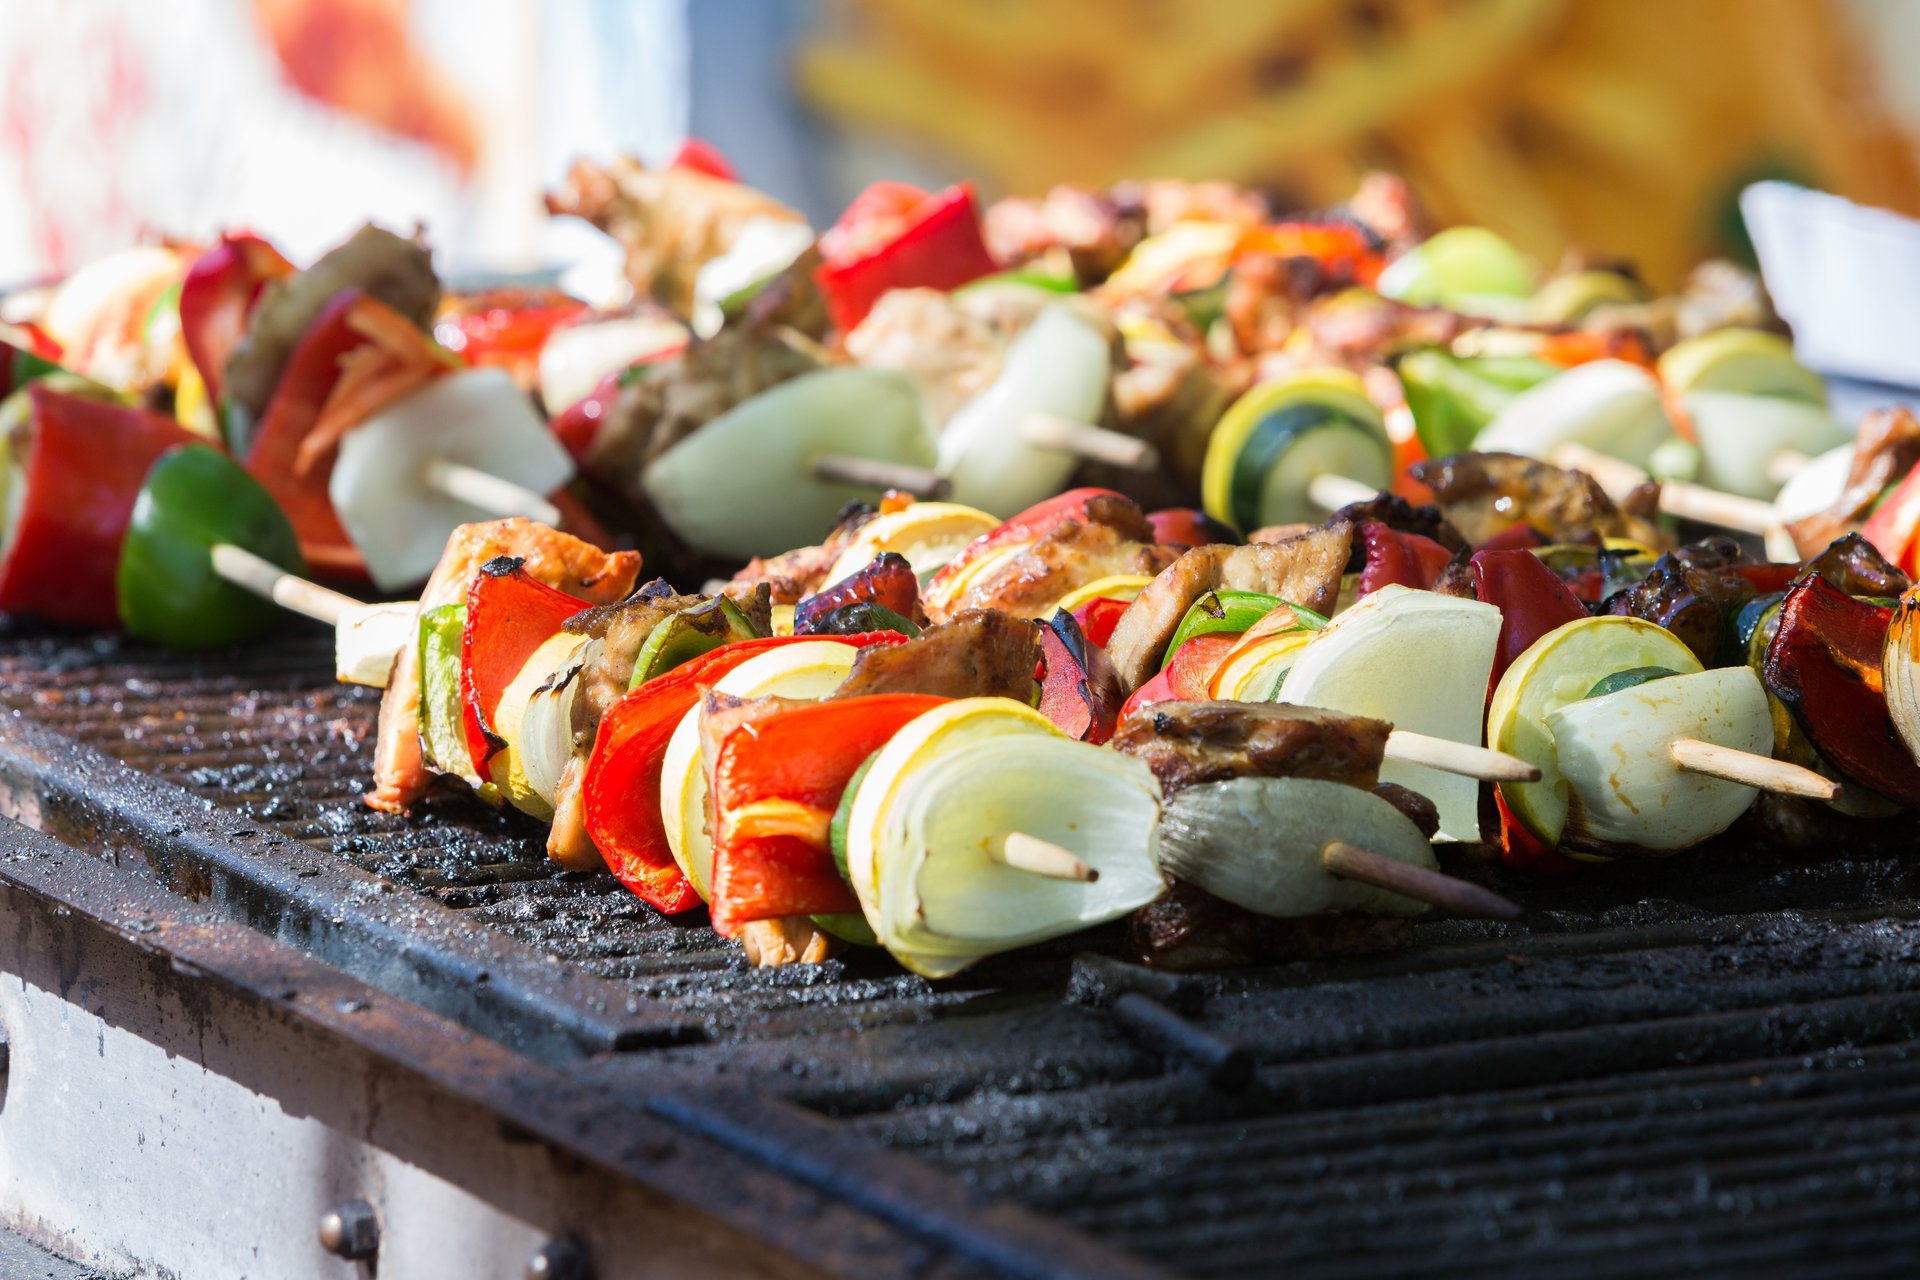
[1710, 1065]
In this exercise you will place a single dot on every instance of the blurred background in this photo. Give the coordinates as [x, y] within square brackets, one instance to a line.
[1624, 126]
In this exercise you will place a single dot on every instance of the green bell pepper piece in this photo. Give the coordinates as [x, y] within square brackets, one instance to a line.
[848, 926]
[1453, 399]
[193, 499]
[1231, 611]
[686, 635]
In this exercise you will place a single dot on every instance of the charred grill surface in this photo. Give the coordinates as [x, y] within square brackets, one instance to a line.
[1703, 1065]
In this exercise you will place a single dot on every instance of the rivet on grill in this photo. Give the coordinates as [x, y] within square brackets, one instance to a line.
[561, 1258]
[350, 1230]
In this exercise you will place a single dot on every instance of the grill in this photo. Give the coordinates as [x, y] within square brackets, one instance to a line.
[1701, 1066]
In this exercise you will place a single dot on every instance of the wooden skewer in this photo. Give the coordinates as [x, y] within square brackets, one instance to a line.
[490, 493]
[1754, 770]
[1334, 492]
[1462, 758]
[1786, 464]
[1435, 888]
[1097, 444]
[1040, 857]
[877, 473]
[1677, 498]
[269, 581]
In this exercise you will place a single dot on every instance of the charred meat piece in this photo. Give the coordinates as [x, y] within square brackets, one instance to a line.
[977, 654]
[1188, 743]
[1855, 566]
[794, 575]
[558, 559]
[1485, 494]
[1303, 570]
[623, 629]
[1886, 449]
[1395, 512]
[1419, 810]
[1694, 593]
[1188, 930]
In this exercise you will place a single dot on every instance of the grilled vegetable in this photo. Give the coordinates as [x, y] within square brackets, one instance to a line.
[442, 723]
[1469, 269]
[743, 485]
[1532, 601]
[895, 236]
[1060, 367]
[1230, 612]
[1080, 691]
[926, 534]
[945, 793]
[888, 582]
[686, 635]
[510, 615]
[1256, 842]
[1419, 661]
[379, 487]
[1557, 670]
[1623, 787]
[508, 768]
[1276, 439]
[1452, 399]
[1741, 436]
[546, 733]
[1748, 362]
[193, 500]
[1607, 405]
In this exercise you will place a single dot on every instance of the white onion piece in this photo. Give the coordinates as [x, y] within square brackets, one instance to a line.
[1060, 366]
[763, 247]
[1624, 786]
[1816, 486]
[578, 357]
[379, 486]
[1608, 405]
[1741, 435]
[1256, 842]
[368, 637]
[546, 730]
[1418, 660]
[1900, 671]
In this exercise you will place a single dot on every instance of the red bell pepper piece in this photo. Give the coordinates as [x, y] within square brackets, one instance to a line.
[1515, 537]
[784, 772]
[887, 581]
[217, 296]
[85, 462]
[1531, 600]
[1343, 249]
[506, 327]
[1079, 689]
[620, 796]
[1098, 618]
[938, 245]
[1187, 678]
[1393, 557]
[1188, 527]
[578, 425]
[1894, 526]
[1824, 663]
[510, 614]
[1767, 578]
[1028, 526]
[703, 157]
[299, 397]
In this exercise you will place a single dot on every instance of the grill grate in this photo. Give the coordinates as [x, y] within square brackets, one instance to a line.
[1710, 1065]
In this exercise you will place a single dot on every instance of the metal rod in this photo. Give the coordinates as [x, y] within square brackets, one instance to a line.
[1435, 888]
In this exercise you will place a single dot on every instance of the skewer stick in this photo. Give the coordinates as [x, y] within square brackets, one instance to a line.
[1096, 444]
[1786, 464]
[1040, 857]
[1677, 498]
[488, 492]
[1753, 770]
[1462, 758]
[877, 473]
[1334, 492]
[268, 580]
[1435, 888]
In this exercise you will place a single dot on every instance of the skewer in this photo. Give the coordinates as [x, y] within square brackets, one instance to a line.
[1435, 888]
[1097, 444]
[1753, 770]
[1462, 758]
[1786, 464]
[490, 493]
[268, 580]
[1677, 498]
[1334, 492]
[922, 482]
[1040, 857]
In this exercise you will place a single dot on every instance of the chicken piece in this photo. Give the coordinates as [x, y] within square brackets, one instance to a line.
[671, 222]
[1303, 570]
[1485, 494]
[1070, 555]
[794, 575]
[793, 940]
[950, 354]
[558, 559]
[1188, 930]
[1188, 743]
[977, 654]
[1886, 448]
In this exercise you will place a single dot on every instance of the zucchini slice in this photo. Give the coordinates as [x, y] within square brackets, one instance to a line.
[1273, 441]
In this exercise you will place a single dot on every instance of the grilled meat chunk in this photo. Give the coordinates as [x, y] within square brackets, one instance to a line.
[950, 354]
[1855, 566]
[1886, 448]
[1693, 592]
[558, 559]
[1188, 930]
[1485, 494]
[1395, 512]
[977, 654]
[794, 575]
[1418, 810]
[1188, 743]
[1303, 570]
[1115, 538]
